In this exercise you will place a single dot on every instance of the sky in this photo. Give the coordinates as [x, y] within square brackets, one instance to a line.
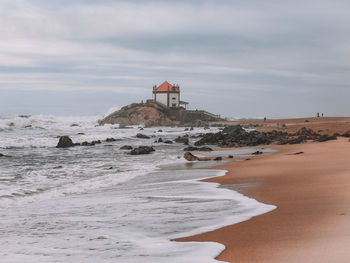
[237, 58]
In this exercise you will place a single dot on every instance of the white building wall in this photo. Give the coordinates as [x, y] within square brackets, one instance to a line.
[174, 100]
[162, 98]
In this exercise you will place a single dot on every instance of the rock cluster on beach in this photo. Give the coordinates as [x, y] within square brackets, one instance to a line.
[236, 136]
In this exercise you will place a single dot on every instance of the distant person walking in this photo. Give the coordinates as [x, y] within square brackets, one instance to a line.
[318, 115]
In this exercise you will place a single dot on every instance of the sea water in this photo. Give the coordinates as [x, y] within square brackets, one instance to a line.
[100, 204]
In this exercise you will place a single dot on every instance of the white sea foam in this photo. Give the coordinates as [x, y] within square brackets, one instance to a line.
[98, 204]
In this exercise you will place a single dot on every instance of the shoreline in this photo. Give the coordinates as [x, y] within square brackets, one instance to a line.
[311, 192]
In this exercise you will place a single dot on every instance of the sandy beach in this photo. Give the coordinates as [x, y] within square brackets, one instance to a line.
[312, 194]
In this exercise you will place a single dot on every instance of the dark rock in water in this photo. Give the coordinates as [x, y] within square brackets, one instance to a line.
[110, 140]
[160, 140]
[168, 142]
[142, 136]
[190, 157]
[96, 142]
[203, 149]
[160, 130]
[2, 155]
[65, 142]
[191, 129]
[230, 156]
[74, 125]
[257, 153]
[142, 150]
[126, 147]
[77, 144]
[140, 128]
[80, 133]
[86, 144]
[219, 158]
[28, 126]
[186, 129]
[183, 139]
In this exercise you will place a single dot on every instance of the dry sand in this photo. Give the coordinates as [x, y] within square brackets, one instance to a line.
[312, 195]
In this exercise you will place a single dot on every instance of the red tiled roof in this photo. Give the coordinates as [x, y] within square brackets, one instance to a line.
[165, 86]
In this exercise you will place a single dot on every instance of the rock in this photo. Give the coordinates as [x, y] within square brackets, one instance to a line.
[230, 156]
[168, 142]
[74, 125]
[203, 149]
[190, 157]
[204, 159]
[299, 153]
[2, 155]
[142, 150]
[219, 158]
[186, 129]
[96, 142]
[160, 140]
[110, 140]
[80, 133]
[233, 129]
[160, 130]
[346, 134]
[126, 147]
[28, 126]
[257, 153]
[325, 138]
[87, 144]
[65, 142]
[183, 139]
[142, 136]
[191, 129]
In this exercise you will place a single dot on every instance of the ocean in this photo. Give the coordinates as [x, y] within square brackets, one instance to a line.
[100, 204]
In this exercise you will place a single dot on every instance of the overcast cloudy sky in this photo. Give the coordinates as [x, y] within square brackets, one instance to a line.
[244, 58]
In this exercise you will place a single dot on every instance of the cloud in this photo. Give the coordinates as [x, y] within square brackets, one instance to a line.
[241, 51]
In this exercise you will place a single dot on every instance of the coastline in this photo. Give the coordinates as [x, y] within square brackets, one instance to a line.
[311, 192]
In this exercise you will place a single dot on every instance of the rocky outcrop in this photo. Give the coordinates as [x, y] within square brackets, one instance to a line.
[149, 114]
[154, 114]
[65, 142]
[236, 136]
[142, 150]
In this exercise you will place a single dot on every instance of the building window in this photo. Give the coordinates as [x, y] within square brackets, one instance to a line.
[174, 104]
[173, 98]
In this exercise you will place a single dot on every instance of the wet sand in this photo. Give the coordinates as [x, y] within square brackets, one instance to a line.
[312, 195]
